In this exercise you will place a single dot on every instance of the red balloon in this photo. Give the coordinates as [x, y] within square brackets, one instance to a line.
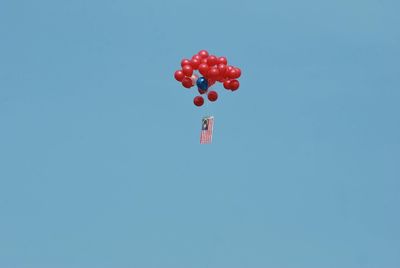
[204, 60]
[212, 96]
[201, 91]
[227, 84]
[234, 85]
[210, 82]
[197, 56]
[187, 70]
[213, 73]
[222, 69]
[203, 69]
[228, 69]
[238, 72]
[187, 82]
[212, 60]
[232, 73]
[203, 53]
[179, 75]
[222, 60]
[195, 63]
[198, 101]
[185, 62]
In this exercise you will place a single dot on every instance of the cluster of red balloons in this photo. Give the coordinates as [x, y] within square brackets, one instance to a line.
[204, 70]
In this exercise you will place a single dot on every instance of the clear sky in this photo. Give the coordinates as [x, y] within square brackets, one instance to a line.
[100, 161]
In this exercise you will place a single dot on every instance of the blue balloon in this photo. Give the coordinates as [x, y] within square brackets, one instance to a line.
[202, 83]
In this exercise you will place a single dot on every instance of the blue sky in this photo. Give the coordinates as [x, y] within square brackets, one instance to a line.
[100, 161]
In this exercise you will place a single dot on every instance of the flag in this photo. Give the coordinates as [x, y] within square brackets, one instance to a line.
[207, 129]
